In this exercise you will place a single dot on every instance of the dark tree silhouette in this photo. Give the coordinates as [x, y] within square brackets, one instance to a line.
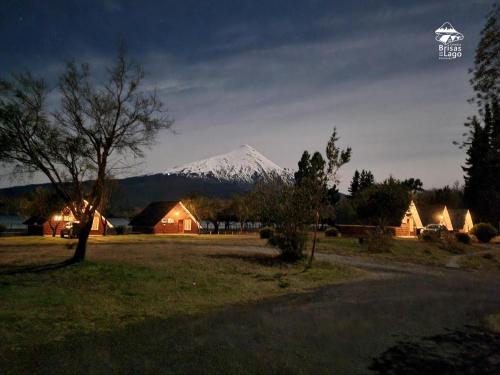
[314, 176]
[383, 204]
[354, 187]
[485, 74]
[482, 166]
[415, 185]
[366, 179]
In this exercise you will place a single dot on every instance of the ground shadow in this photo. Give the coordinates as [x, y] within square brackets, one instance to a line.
[472, 350]
[14, 270]
[255, 258]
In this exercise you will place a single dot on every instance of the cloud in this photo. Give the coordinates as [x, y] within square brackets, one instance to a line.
[286, 99]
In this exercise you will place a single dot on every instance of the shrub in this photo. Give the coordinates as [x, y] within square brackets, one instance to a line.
[121, 229]
[266, 232]
[484, 232]
[463, 238]
[3, 228]
[429, 236]
[378, 239]
[332, 232]
[291, 245]
[448, 242]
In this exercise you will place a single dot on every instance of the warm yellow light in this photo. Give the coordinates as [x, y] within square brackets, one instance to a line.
[176, 213]
[57, 217]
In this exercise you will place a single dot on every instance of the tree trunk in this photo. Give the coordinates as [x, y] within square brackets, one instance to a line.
[53, 229]
[81, 246]
[309, 264]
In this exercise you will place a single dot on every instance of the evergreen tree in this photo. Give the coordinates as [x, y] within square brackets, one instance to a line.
[495, 148]
[354, 187]
[485, 74]
[413, 184]
[333, 195]
[482, 165]
[477, 169]
[304, 168]
[366, 179]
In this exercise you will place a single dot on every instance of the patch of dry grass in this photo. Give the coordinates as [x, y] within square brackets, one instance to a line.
[401, 250]
[409, 250]
[489, 261]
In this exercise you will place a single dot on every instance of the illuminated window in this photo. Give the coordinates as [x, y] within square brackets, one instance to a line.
[95, 223]
[168, 220]
[57, 217]
[187, 224]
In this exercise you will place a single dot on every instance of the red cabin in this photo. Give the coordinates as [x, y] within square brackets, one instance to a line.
[52, 225]
[165, 218]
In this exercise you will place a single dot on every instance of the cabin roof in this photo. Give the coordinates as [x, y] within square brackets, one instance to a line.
[152, 214]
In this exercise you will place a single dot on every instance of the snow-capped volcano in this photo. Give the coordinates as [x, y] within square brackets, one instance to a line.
[245, 164]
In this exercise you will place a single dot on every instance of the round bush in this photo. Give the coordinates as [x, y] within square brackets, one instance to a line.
[449, 242]
[121, 229]
[291, 245]
[429, 236]
[332, 232]
[463, 238]
[266, 232]
[484, 232]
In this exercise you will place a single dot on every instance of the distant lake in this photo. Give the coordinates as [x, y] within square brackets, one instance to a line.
[12, 221]
[118, 221]
[16, 222]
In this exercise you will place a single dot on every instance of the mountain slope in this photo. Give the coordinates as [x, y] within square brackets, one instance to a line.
[243, 165]
[219, 176]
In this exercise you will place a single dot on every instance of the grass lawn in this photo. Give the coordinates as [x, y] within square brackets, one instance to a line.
[411, 250]
[240, 240]
[128, 279]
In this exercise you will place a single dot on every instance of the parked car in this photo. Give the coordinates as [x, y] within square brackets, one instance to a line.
[434, 228]
[70, 230]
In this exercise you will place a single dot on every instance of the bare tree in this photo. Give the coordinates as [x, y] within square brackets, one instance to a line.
[91, 134]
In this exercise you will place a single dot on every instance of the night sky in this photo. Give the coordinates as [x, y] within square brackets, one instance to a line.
[277, 75]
